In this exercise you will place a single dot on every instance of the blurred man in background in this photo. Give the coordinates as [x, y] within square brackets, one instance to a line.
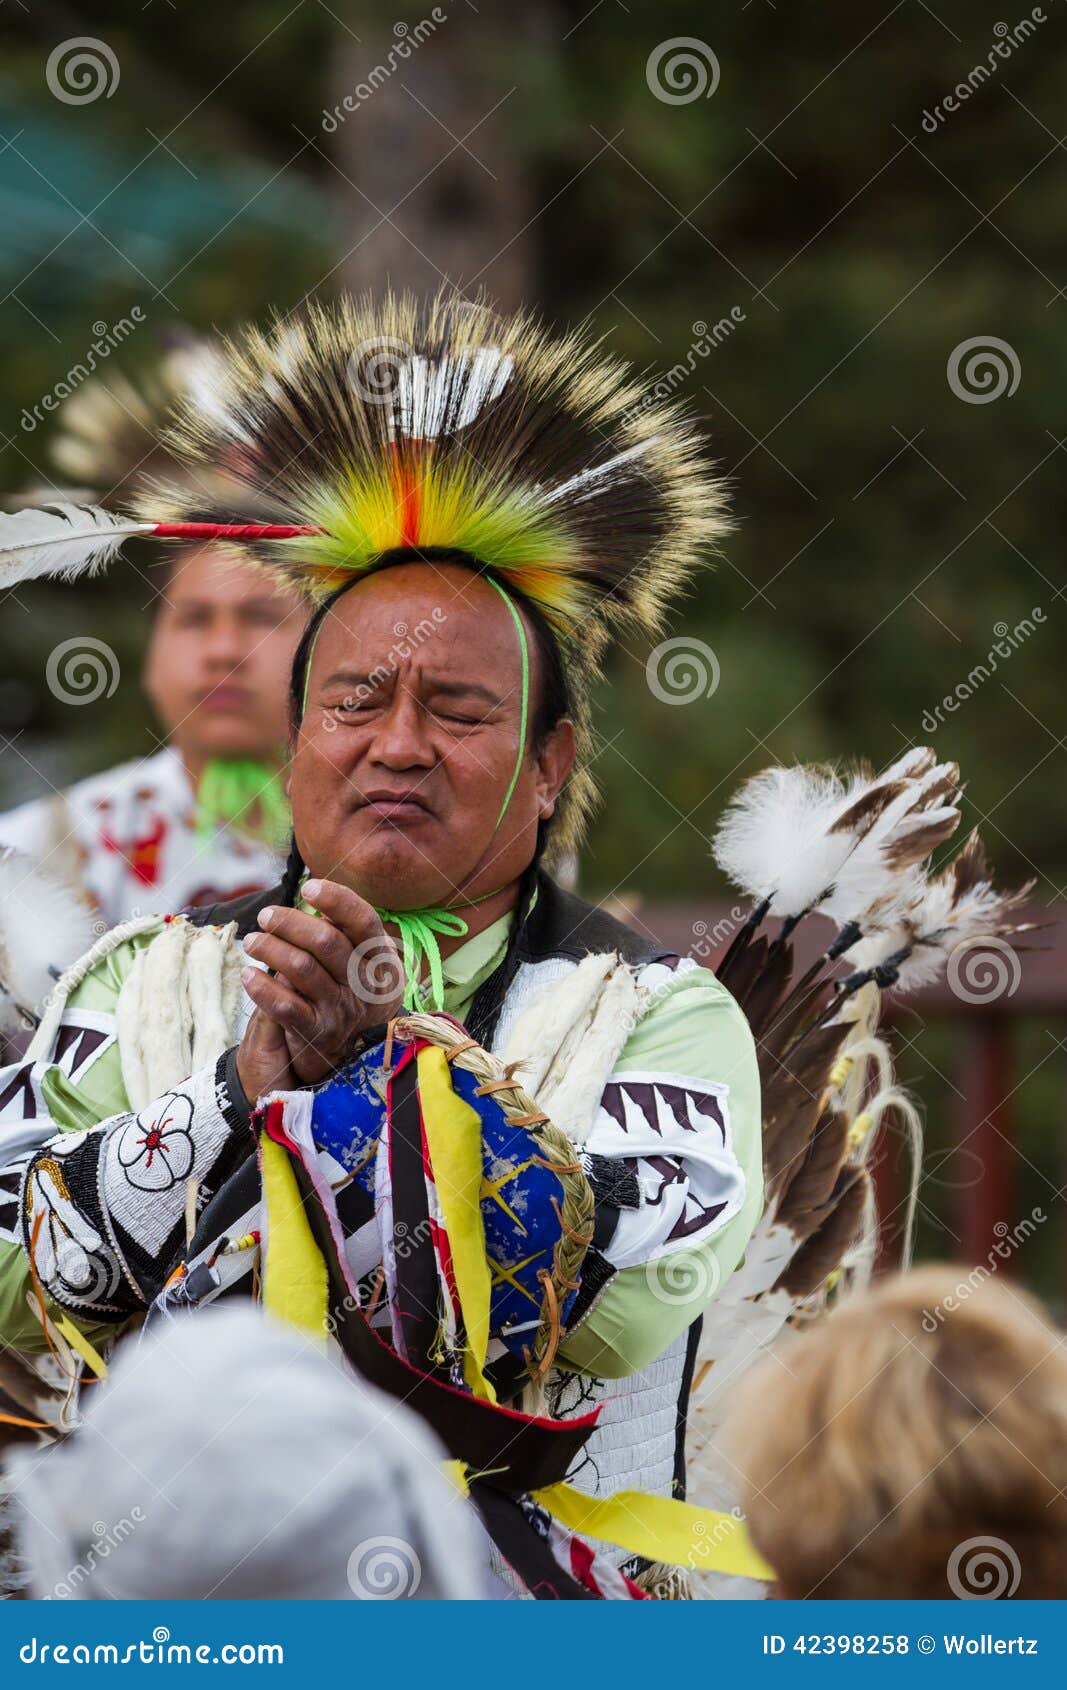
[201, 819]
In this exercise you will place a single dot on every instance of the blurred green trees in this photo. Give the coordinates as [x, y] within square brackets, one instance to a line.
[886, 526]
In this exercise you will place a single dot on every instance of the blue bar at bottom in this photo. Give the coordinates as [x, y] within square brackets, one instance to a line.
[515, 1644]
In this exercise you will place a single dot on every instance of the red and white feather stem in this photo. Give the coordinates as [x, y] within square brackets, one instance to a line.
[227, 531]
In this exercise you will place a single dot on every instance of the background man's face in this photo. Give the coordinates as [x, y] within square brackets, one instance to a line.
[409, 740]
[218, 660]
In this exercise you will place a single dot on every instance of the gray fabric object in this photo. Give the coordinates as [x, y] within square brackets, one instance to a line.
[228, 1457]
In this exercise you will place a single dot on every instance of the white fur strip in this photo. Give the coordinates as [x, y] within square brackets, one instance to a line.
[212, 991]
[569, 1039]
[177, 1008]
[128, 1029]
[44, 1037]
[233, 993]
[167, 1021]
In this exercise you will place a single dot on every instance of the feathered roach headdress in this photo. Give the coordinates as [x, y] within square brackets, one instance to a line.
[358, 429]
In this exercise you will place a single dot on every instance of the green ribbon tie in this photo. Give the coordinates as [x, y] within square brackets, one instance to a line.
[418, 937]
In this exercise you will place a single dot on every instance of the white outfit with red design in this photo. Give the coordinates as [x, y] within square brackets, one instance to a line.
[128, 837]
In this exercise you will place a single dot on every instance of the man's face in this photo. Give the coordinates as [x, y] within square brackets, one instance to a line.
[409, 740]
[218, 660]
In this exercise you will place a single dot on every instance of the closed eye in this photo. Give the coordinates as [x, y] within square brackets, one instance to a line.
[352, 706]
[459, 718]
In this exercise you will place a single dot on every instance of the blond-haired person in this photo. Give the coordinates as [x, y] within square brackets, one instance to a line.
[913, 1444]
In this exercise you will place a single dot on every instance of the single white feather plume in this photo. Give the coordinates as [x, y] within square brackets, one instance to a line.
[61, 542]
[774, 839]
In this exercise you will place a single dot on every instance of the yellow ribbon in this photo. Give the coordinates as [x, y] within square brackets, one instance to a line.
[454, 1139]
[77, 1340]
[660, 1529]
[295, 1285]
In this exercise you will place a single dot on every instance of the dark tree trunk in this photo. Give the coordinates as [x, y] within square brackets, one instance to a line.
[435, 189]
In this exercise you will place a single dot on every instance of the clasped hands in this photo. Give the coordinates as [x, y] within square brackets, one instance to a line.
[333, 975]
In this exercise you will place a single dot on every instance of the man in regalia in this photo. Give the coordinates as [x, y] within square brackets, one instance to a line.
[278, 1095]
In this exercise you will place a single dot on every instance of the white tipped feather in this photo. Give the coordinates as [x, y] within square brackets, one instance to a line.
[912, 766]
[61, 542]
[921, 968]
[958, 907]
[884, 855]
[922, 909]
[44, 927]
[876, 946]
